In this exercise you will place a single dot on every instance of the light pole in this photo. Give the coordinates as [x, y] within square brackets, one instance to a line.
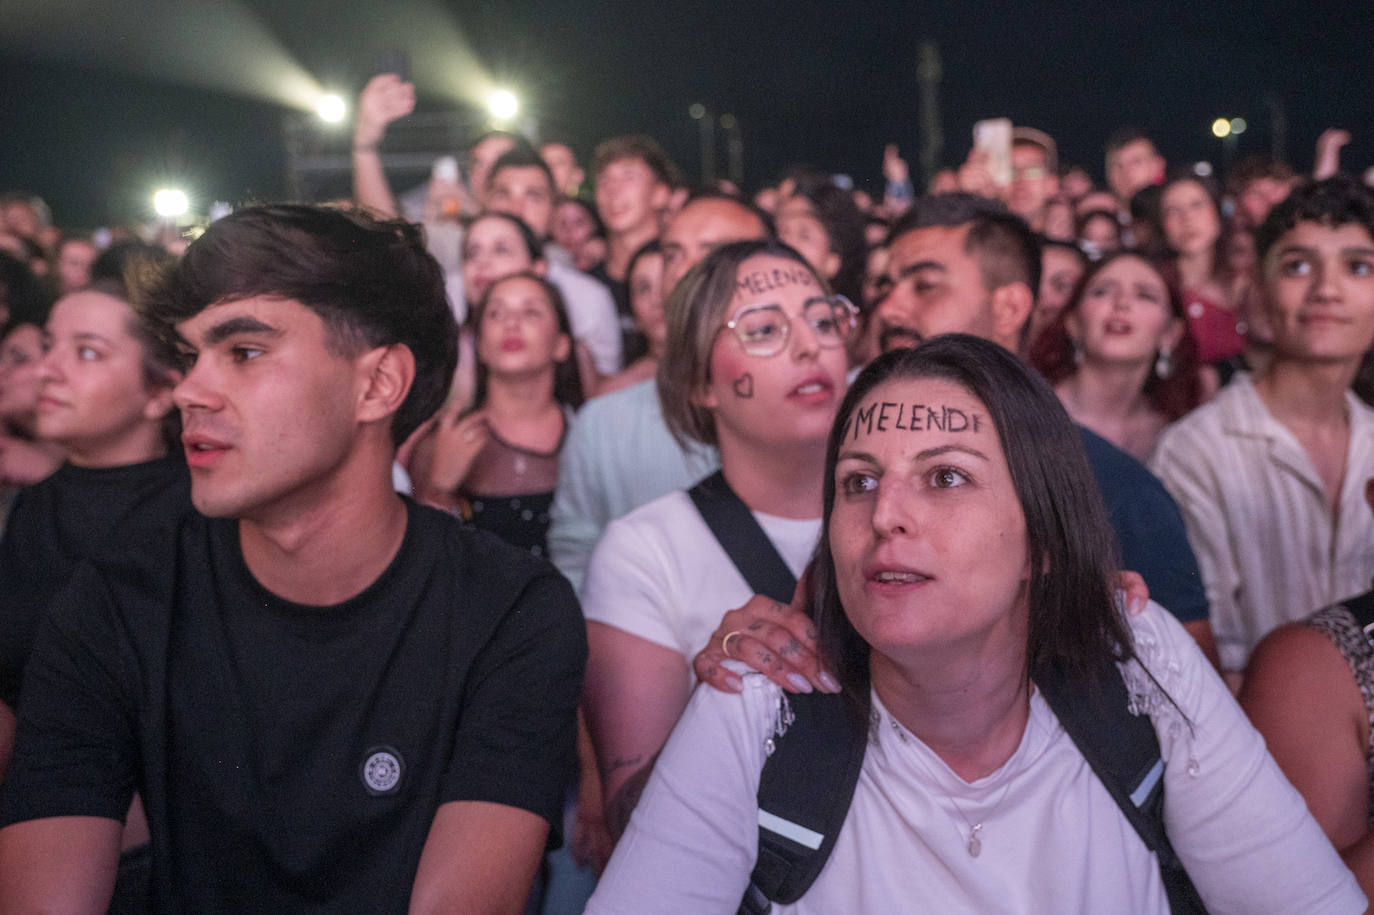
[706, 121]
[734, 147]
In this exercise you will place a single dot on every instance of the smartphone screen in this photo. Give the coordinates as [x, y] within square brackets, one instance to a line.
[994, 137]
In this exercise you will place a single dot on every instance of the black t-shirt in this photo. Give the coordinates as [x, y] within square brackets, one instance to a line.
[74, 514]
[633, 343]
[292, 756]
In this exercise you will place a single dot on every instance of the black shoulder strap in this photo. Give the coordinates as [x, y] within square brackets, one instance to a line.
[1123, 751]
[1362, 608]
[743, 540]
[805, 791]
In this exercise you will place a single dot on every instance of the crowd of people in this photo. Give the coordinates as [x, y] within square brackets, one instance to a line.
[548, 538]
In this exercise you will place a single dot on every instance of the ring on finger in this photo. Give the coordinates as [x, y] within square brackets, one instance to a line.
[725, 642]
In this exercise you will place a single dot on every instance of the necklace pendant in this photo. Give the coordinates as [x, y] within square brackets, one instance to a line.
[975, 844]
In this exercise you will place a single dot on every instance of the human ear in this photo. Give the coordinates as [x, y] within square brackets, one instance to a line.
[160, 401]
[1011, 308]
[562, 348]
[387, 373]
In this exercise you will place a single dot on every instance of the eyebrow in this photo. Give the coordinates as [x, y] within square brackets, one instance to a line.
[239, 325]
[920, 456]
[88, 335]
[919, 266]
[1360, 251]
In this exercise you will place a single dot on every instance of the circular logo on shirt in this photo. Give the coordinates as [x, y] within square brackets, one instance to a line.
[382, 770]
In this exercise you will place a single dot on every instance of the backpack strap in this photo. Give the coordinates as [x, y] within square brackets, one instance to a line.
[805, 790]
[738, 532]
[1362, 608]
[1123, 751]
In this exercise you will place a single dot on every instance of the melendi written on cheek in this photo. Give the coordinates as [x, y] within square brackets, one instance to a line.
[882, 415]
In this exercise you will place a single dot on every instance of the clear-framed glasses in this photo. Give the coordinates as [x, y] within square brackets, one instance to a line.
[763, 329]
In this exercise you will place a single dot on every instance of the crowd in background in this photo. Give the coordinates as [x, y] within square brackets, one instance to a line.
[585, 390]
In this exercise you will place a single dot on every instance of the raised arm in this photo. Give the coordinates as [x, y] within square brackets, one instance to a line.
[59, 864]
[479, 857]
[384, 99]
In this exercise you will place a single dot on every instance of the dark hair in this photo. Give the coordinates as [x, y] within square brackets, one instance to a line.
[523, 157]
[1075, 626]
[598, 227]
[1253, 168]
[1004, 245]
[1220, 262]
[836, 211]
[527, 236]
[652, 246]
[1125, 136]
[372, 283]
[567, 382]
[1052, 352]
[1333, 202]
[21, 292]
[636, 146]
[694, 312]
[1080, 224]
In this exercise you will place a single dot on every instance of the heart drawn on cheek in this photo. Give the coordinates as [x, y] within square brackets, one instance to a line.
[744, 386]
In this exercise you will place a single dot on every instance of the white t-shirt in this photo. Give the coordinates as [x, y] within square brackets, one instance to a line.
[1053, 839]
[659, 573]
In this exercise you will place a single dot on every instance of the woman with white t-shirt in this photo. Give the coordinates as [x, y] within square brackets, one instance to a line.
[755, 365]
[965, 558]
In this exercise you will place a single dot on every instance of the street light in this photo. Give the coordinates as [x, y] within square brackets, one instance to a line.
[1221, 128]
[331, 108]
[503, 104]
[702, 115]
[1238, 126]
[169, 203]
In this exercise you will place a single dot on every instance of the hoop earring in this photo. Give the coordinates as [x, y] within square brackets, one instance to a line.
[1164, 364]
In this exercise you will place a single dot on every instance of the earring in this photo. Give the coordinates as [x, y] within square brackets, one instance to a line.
[1077, 345]
[1164, 364]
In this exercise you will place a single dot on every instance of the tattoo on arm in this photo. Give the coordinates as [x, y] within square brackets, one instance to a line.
[623, 802]
[620, 762]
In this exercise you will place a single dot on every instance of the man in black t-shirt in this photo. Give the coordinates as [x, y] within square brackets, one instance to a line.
[328, 697]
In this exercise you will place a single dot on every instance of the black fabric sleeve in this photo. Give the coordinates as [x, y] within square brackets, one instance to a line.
[76, 749]
[517, 740]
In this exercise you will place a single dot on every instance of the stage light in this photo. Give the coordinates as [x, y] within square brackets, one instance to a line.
[728, 121]
[170, 203]
[331, 108]
[1221, 128]
[503, 104]
[1238, 126]
[697, 111]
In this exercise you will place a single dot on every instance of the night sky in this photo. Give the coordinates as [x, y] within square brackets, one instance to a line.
[94, 118]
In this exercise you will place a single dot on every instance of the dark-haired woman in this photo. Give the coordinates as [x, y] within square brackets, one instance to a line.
[1120, 356]
[1191, 219]
[644, 277]
[496, 462]
[960, 564]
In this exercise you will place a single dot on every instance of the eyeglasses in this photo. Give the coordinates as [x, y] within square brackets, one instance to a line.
[763, 329]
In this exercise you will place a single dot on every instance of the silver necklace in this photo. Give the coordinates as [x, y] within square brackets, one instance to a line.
[975, 830]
